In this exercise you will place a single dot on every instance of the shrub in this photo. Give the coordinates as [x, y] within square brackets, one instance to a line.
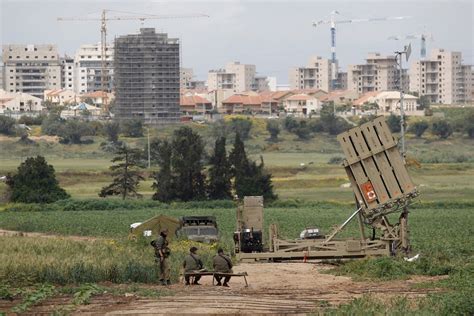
[273, 127]
[31, 120]
[393, 122]
[7, 125]
[241, 126]
[418, 128]
[442, 129]
[52, 124]
[132, 128]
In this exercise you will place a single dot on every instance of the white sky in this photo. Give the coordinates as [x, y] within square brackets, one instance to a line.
[273, 35]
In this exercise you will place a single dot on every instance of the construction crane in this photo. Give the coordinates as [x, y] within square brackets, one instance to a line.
[332, 21]
[422, 36]
[103, 35]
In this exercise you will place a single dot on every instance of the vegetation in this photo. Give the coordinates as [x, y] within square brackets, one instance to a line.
[132, 128]
[111, 131]
[126, 174]
[273, 127]
[7, 125]
[35, 182]
[418, 128]
[219, 185]
[241, 126]
[393, 122]
[442, 129]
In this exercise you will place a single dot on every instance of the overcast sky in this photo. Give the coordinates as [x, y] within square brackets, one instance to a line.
[273, 35]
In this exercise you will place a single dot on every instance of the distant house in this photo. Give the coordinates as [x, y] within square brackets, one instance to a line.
[81, 110]
[97, 97]
[194, 104]
[19, 102]
[61, 96]
[302, 104]
[249, 103]
[389, 102]
[340, 97]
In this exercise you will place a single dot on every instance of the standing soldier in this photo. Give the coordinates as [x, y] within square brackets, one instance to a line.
[192, 263]
[162, 252]
[223, 264]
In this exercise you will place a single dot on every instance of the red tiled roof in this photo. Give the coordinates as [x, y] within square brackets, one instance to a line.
[300, 97]
[193, 100]
[248, 99]
[365, 98]
[95, 94]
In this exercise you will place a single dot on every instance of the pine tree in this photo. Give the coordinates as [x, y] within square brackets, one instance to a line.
[35, 182]
[186, 163]
[163, 184]
[126, 174]
[238, 157]
[219, 185]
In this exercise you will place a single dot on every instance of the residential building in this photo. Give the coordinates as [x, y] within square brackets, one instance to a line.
[67, 73]
[379, 73]
[442, 78]
[17, 102]
[195, 104]
[316, 75]
[302, 104]
[60, 96]
[236, 77]
[249, 103]
[97, 98]
[146, 70]
[339, 97]
[31, 68]
[88, 69]
[389, 102]
[342, 80]
[81, 110]
[185, 78]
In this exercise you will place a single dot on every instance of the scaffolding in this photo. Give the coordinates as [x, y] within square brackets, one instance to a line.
[146, 69]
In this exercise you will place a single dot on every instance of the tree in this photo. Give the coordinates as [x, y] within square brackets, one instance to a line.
[442, 129]
[73, 131]
[302, 131]
[290, 123]
[219, 184]
[111, 131]
[393, 122]
[418, 128]
[423, 102]
[126, 174]
[331, 123]
[52, 124]
[163, 184]
[241, 126]
[7, 125]
[35, 182]
[186, 163]
[132, 128]
[250, 178]
[469, 124]
[273, 127]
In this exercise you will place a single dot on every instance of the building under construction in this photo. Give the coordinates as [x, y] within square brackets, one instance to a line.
[146, 68]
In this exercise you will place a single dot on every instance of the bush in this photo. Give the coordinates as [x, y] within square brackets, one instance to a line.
[7, 125]
[418, 128]
[132, 128]
[442, 129]
[73, 131]
[290, 123]
[316, 126]
[393, 122]
[273, 127]
[241, 126]
[31, 120]
[52, 125]
[336, 160]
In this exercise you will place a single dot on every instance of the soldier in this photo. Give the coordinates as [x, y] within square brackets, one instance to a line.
[223, 264]
[192, 263]
[162, 252]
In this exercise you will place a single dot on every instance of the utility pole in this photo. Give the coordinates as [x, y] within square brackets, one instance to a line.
[407, 52]
[148, 140]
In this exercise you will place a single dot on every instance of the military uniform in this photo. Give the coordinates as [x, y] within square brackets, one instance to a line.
[191, 263]
[222, 263]
[162, 244]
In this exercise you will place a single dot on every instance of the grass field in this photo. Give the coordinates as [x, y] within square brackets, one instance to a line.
[441, 227]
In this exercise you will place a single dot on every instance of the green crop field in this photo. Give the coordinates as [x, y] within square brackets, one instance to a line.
[311, 193]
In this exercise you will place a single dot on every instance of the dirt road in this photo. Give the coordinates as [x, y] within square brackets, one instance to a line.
[274, 288]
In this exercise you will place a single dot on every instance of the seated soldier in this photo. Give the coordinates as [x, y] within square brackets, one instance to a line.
[192, 263]
[223, 264]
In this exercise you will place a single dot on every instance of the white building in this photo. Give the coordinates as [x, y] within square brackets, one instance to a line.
[379, 73]
[442, 78]
[302, 104]
[31, 68]
[236, 77]
[88, 68]
[389, 102]
[61, 96]
[19, 102]
[67, 73]
[316, 75]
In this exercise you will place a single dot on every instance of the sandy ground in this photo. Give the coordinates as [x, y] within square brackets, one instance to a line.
[274, 288]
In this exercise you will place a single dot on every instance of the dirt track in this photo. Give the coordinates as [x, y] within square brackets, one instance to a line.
[274, 288]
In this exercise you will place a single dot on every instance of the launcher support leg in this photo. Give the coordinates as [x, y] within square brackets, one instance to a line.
[404, 233]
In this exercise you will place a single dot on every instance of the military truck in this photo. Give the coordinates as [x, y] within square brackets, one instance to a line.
[199, 228]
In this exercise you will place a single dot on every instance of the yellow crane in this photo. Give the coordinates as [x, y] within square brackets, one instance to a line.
[103, 35]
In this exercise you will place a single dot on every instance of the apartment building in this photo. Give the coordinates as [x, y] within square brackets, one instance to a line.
[67, 72]
[316, 75]
[379, 73]
[146, 77]
[236, 77]
[442, 78]
[88, 68]
[185, 78]
[31, 68]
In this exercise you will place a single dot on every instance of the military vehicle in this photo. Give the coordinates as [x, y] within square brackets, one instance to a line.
[311, 233]
[381, 186]
[199, 228]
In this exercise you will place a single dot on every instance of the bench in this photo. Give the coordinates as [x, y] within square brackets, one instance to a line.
[214, 273]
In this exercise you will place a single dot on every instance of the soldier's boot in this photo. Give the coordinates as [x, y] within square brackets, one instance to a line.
[225, 284]
[219, 283]
[162, 282]
[196, 283]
